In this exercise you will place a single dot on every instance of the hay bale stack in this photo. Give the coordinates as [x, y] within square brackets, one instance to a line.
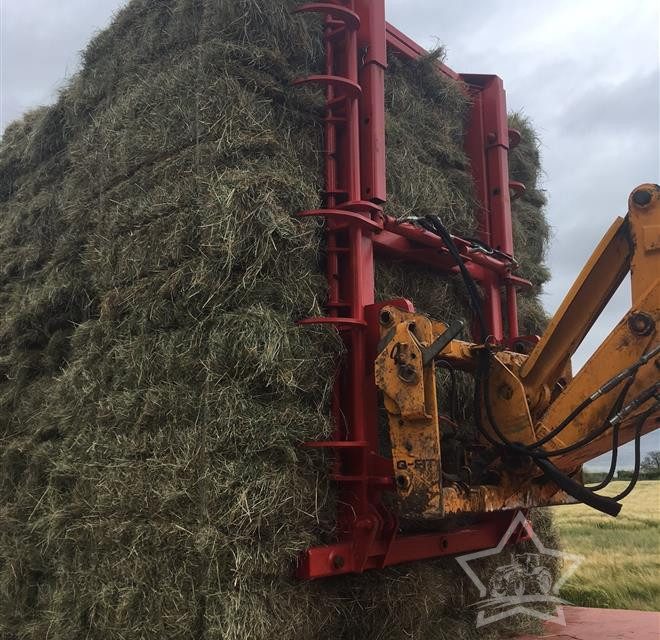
[531, 231]
[155, 388]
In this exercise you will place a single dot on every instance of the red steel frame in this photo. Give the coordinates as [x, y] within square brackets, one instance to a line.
[357, 38]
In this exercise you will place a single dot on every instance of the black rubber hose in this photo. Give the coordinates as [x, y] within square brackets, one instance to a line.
[434, 225]
[473, 291]
[612, 470]
[618, 405]
[570, 486]
[611, 384]
[606, 388]
[638, 453]
[607, 505]
[643, 397]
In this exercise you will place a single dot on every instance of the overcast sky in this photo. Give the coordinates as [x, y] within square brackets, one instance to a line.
[585, 71]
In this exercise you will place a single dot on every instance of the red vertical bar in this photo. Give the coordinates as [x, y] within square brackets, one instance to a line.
[372, 41]
[487, 145]
[352, 161]
[361, 282]
[496, 124]
[497, 159]
[493, 306]
[474, 147]
[512, 311]
[373, 50]
[330, 150]
[350, 263]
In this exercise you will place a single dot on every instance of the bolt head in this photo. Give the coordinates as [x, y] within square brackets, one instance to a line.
[385, 318]
[402, 481]
[408, 374]
[642, 198]
[521, 347]
[641, 324]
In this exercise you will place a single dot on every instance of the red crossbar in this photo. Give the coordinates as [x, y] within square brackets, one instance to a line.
[340, 558]
[402, 44]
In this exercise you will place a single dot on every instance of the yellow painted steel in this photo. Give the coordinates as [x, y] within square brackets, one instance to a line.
[585, 301]
[410, 401]
[636, 334]
[529, 395]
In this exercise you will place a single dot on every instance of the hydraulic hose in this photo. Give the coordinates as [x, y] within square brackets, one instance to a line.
[584, 494]
[611, 384]
[579, 492]
[607, 505]
[638, 452]
[435, 226]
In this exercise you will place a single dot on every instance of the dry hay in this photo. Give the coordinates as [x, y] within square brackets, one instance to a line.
[155, 388]
[531, 231]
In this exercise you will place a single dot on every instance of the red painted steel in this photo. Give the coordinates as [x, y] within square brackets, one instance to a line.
[475, 138]
[403, 45]
[356, 38]
[468, 251]
[487, 145]
[372, 107]
[601, 624]
[354, 90]
[495, 143]
[338, 559]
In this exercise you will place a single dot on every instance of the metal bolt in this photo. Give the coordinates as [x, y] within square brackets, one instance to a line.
[402, 481]
[520, 347]
[385, 318]
[338, 561]
[408, 374]
[641, 324]
[642, 198]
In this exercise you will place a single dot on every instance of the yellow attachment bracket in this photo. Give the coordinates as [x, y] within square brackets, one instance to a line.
[508, 401]
[410, 401]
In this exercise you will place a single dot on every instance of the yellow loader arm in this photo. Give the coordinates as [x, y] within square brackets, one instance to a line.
[536, 423]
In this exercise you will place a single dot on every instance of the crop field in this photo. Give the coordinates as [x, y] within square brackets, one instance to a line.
[621, 568]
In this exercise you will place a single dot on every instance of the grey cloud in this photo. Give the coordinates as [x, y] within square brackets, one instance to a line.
[629, 107]
[626, 456]
[426, 19]
[40, 47]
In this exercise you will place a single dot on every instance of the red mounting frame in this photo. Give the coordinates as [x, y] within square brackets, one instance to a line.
[357, 38]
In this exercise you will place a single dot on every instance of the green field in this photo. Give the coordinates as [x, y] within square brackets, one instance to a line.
[621, 569]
